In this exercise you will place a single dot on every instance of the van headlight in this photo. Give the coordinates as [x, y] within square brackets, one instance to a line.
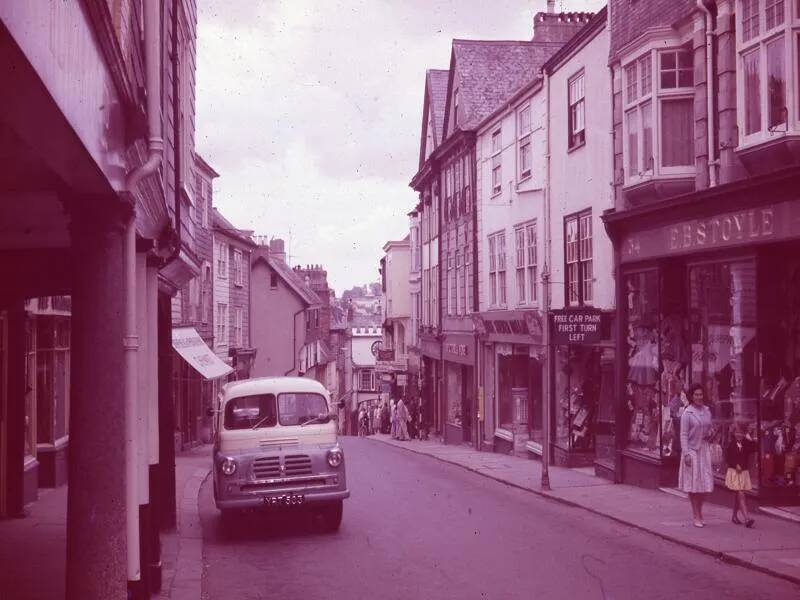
[228, 466]
[335, 457]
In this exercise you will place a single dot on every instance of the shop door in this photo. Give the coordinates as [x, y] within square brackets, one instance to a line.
[467, 399]
[724, 352]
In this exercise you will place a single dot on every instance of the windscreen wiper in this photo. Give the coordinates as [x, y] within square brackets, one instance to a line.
[316, 419]
[260, 421]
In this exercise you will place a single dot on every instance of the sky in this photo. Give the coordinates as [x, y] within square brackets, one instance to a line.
[310, 111]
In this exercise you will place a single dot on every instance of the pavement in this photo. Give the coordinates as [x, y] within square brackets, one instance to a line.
[772, 546]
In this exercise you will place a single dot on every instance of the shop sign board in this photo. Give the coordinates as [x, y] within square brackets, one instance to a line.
[385, 355]
[576, 326]
[769, 223]
[402, 379]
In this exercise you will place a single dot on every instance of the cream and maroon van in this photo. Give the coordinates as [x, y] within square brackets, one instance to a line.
[276, 446]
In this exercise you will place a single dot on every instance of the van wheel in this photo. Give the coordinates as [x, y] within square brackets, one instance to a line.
[332, 516]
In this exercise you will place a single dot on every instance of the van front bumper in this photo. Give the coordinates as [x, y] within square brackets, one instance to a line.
[264, 500]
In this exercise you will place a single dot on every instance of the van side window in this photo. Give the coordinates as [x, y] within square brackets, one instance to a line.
[246, 412]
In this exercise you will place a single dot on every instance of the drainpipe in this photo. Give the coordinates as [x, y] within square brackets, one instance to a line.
[545, 483]
[294, 341]
[155, 145]
[709, 31]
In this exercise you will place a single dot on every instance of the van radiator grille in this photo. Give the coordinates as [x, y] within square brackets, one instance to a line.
[265, 468]
[297, 464]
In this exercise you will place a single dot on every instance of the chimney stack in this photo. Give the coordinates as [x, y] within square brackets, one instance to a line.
[277, 249]
[551, 6]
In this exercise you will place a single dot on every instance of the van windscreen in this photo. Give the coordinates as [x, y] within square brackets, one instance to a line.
[246, 412]
[296, 409]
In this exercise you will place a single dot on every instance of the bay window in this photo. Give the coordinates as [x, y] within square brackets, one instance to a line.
[668, 102]
[766, 45]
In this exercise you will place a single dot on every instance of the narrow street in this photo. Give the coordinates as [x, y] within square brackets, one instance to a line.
[417, 528]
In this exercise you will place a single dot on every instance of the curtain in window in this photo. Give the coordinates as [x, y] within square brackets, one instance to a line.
[676, 132]
[632, 118]
[776, 82]
[647, 137]
[752, 99]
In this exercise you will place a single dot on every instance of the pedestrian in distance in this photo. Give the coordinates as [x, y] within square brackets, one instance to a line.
[737, 478]
[362, 422]
[402, 417]
[393, 417]
[695, 475]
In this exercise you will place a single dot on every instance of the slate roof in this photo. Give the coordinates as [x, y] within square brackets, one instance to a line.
[293, 280]
[437, 92]
[221, 224]
[490, 72]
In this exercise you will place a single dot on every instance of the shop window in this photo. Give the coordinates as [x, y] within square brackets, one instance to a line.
[454, 394]
[642, 291]
[366, 380]
[30, 389]
[577, 392]
[519, 388]
[52, 378]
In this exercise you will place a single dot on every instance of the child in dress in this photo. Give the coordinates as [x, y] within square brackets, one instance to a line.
[737, 479]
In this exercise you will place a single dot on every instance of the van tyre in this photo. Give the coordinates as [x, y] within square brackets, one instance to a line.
[332, 516]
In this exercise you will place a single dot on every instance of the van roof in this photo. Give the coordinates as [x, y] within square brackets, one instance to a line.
[261, 385]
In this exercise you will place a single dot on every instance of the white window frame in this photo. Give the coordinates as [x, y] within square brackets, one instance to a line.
[650, 55]
[789, 31]
[579, 252]
[576, 128]
[238, 331]
[222, 260]
[222, 323]
[238, 259]
[205, 291]
[497, 161]
[497, 269]
[368, 384]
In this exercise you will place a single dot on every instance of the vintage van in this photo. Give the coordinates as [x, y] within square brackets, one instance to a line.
[276, 446]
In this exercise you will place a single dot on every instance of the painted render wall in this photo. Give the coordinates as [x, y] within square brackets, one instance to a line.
[518, 201]
[581, 177]
[398, 267]
[276, 333]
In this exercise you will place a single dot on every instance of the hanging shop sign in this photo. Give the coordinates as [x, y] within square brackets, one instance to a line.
[575, 326]
[385, 355]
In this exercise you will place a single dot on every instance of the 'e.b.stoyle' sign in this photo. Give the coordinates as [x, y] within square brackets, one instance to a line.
[577, 326]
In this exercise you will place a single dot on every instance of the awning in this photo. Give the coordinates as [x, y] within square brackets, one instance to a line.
[188, 343]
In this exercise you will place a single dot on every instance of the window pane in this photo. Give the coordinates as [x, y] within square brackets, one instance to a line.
[520, 254]
[645, 70]
[632, 122]
[752, 92]
[631, 80]
[668, 60]
[521, 285]
[749, 19]
[776, 83]
[676, 133]
[668, 79]
[647, 136]
[775, 16]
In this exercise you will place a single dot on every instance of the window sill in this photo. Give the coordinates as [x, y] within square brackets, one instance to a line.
[495, 194]
[575, 147]
[768, 154]
[504, 434]
[524, 179]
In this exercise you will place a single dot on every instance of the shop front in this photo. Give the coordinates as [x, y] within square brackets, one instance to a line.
[583, 389]
[458, 356]
[712, 296]
[512, 379]
[430, 376]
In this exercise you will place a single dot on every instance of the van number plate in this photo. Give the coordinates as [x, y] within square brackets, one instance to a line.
[285, 500]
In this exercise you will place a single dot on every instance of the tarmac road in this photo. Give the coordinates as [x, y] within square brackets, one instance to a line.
[416, 528]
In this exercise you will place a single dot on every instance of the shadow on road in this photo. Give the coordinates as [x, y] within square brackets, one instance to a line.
[269, 525]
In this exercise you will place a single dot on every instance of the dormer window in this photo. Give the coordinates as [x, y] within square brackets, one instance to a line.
[766, 44]
[658, 122]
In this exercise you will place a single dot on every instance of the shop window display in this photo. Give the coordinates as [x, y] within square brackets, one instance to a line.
[520, 393]
[577, 382]
[454, 394]
[779, 397]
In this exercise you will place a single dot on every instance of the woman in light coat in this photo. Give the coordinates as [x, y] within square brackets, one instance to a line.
[402, 417]
[696, 475]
